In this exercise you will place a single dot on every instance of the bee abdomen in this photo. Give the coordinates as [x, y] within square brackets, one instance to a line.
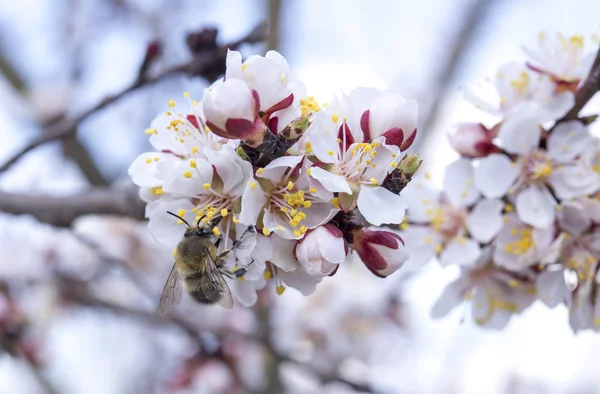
[202, 290]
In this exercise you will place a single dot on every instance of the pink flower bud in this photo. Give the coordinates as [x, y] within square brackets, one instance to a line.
[321, 250]
[230, 108]
[381, 251]
[472, 140]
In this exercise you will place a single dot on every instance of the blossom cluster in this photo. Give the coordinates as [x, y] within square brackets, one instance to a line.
[519, 209]
[257, 151]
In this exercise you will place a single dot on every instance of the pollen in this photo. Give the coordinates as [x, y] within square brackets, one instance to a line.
[206, 186]
[171, 103]
[187, 174]
[193, 163]
[216, 231]
[280, 289]
[174, 252]
[522, 244]
[224, 212]
[266, 232]
[290, 185]
[260, 171]
[335, 118]
[335, 202]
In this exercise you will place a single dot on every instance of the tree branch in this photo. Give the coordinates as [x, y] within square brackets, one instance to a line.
[585, 93]
[208, 63]
[62, 211]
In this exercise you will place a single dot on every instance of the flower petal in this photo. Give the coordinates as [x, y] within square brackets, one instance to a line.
[551, 287]
[567, 140]
[253, 201]
[495, 175]
[332, 182]
[485, 220]
[452, 296]
[143, 170]
[463, 251]
[380, 206]
[535, 206]
[164, 227]
[458, 183]
[521, 132]
[421, 199]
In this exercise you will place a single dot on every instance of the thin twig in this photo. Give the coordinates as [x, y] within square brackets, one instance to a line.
[62, 211]
[209, 63]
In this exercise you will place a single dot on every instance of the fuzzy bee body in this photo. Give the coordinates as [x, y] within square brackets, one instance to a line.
[199, 269]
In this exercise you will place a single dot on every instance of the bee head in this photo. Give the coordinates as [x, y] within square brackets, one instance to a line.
[202, 229]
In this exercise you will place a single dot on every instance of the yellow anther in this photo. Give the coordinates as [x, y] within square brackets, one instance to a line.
[253, 185]
[290, 185]
[186, 94]
[307, 204]
[171, 103]
[235, 220]
[312, 190]
[394, 164]
[513, 283]
[244, 67]
[330, 152]
[181, 212]
[266, 232]
[216, 231]
[174, 252]
[335, 202]
[428, 240]
[280, 289]
[438, 248]
[309, 171]
[224, 212]
[157, 190]
[187, 174]
[193, 163]
[151, 131]
[260, 171]
[373, 181]
[195, 150]
[207, 129]
[156, 158]
[206, 186]
[508, 208]
[267, 275]
[148, 160]
[335, 118]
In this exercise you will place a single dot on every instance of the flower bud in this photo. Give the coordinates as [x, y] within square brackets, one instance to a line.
[230, 108]
[321, 250]
[381, 251]
[472, 140]
[296, 128]
[397, 180]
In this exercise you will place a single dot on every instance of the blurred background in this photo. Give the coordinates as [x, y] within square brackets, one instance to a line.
[78, 292]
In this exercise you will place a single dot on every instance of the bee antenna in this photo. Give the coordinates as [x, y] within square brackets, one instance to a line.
[199, 219]
[179, 217]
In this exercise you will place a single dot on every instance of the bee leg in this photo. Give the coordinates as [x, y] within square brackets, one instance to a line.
[223, 254]
[218, 242]
[227, 273]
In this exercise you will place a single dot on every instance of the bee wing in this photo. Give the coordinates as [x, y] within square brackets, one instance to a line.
[217, 281]
[244, 246]
[171, 294]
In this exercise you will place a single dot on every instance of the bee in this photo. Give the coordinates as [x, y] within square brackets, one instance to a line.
[199, 266]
